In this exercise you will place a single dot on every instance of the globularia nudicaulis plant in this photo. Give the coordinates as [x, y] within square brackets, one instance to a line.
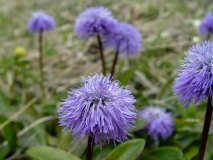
[100, 109]
[95, 21]
[194, 82]
[159, 123]
[126, 39]
[39, 23]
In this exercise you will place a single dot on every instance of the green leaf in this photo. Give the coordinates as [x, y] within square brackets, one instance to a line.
[167, 153]
[49, 153]
[101, 153]
[191, 152]
[129, 150]
[187, 140]
[127, 75]
[4, 151]
[9, 134]
[147, 157]
[180, 123]
[3, 103]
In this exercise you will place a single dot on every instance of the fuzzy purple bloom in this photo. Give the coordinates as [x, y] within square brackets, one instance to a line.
[160, 123]
[94, 20]
[40, 21]
[194, 81]
[126, 39]
[206, 25]
[99, 108]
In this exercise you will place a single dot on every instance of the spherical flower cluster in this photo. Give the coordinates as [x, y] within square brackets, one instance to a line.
[99, 108]
[40, 21]
[160, 123]
[194, 81]
[206, 25]
[94, 20]
[126, 39]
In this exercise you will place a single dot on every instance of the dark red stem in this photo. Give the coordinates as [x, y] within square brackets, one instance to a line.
[205, 132]
[90, 145]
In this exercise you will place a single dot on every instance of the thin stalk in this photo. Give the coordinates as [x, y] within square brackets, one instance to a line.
[40, 40]
[205, 131]
[90, 145]
[101, 55]
[114, 64]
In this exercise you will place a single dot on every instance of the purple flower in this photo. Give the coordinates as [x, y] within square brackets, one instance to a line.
[194, 81]
[160, 123]
[99, 108]
[126, 39]
[94, 20]
[40, 21]
[206, 25]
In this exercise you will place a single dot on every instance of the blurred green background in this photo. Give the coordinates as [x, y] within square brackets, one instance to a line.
[168, 28]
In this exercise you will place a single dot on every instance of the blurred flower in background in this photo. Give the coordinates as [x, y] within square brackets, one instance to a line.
[40, 21]
[94, 20]
[19, 51]
[100, 108]
[195, 39]
[194, 81]
[206, 25]
[160, 123]
[126, 39]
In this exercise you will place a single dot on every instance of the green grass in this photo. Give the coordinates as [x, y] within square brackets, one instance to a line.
[167, 30]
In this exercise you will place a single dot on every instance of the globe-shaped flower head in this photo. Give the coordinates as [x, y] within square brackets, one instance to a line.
[160, 123]
[126, 39]
[100, 108]
[94, 20]
[40, 21]
[194, 81]
[206, 25]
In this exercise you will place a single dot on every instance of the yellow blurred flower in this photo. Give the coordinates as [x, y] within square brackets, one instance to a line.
[196, 39]
[19, 51]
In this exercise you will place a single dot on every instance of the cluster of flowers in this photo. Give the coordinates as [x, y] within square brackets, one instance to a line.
[195, 78]
[194, 81]
[159, 122]
[95, 108]
[100, 107]
[40, 21]
[121, 36]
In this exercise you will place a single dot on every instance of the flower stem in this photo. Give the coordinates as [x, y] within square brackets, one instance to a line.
[40, 40]
[101, 55]
[90, 145]
[114, 64]
[205, 131]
